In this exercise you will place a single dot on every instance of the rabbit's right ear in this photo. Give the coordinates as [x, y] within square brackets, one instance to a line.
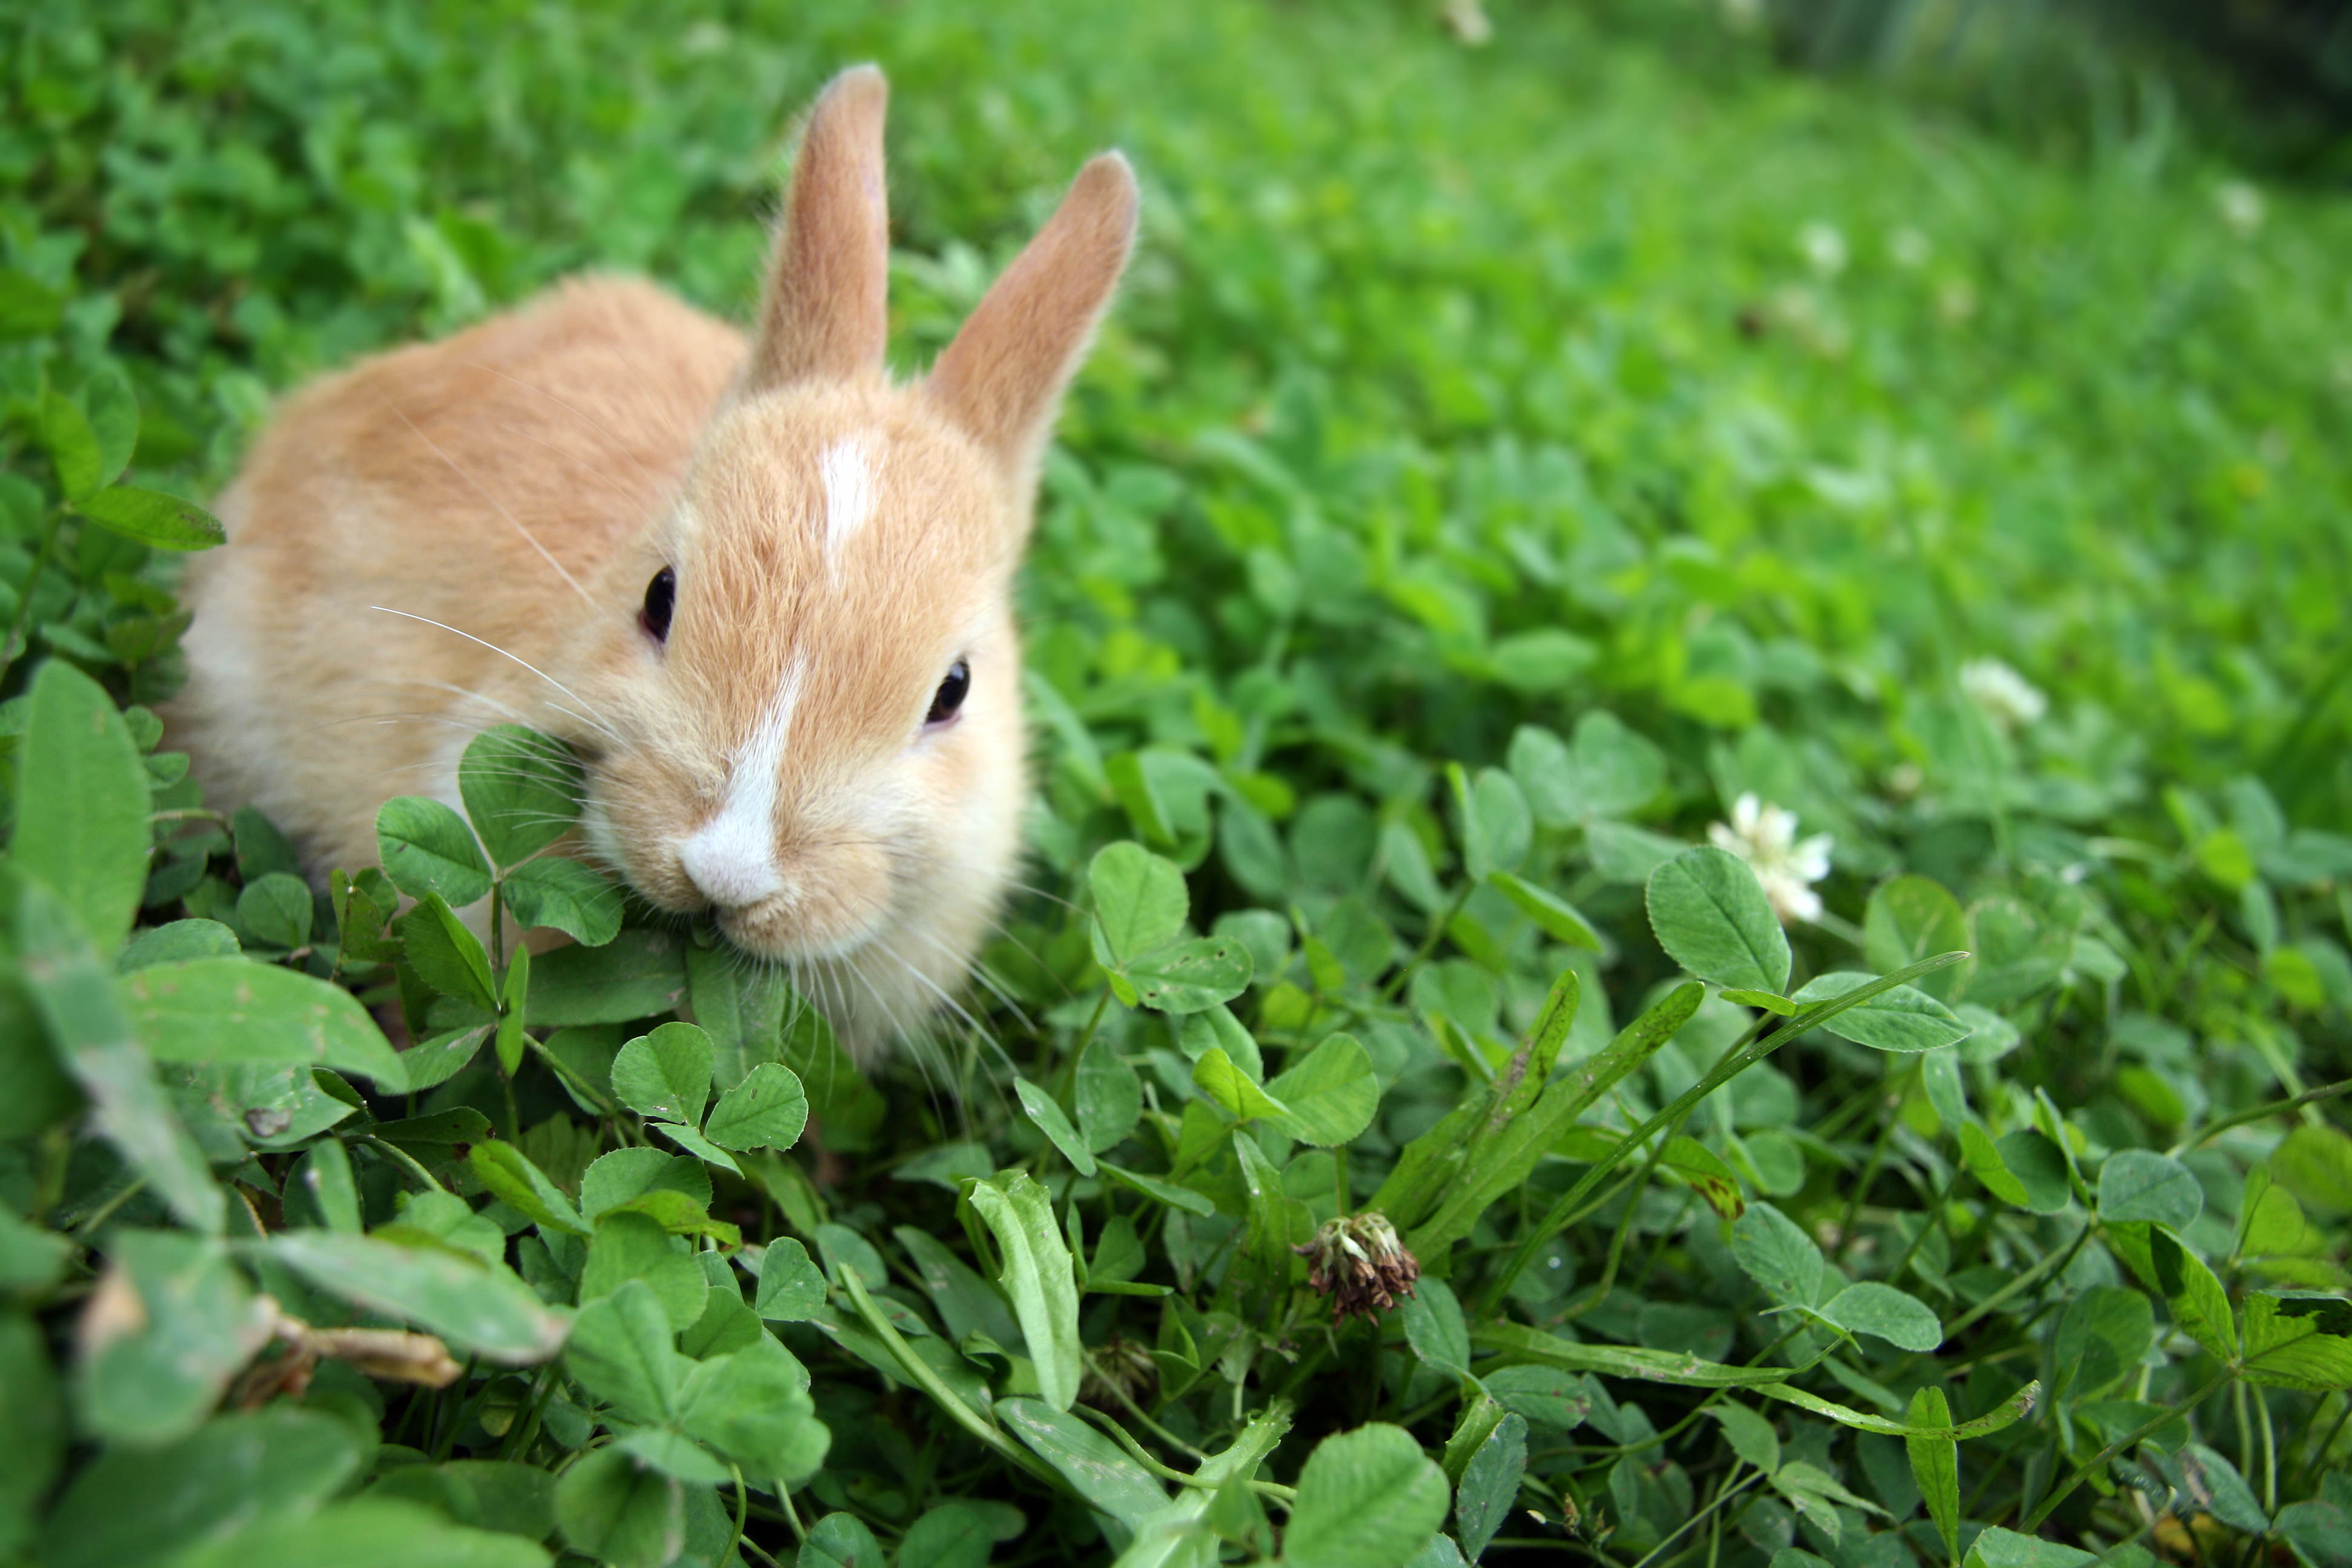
[826, 311]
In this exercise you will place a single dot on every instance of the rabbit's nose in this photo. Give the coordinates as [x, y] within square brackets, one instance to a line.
[731, 861]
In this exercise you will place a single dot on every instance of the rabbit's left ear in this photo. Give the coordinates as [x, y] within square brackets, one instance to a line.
[1001, 379]
[826, 311]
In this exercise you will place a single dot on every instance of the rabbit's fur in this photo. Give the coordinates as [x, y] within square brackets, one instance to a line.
[463, 533]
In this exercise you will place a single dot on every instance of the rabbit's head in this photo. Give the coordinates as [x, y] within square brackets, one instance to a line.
[809, 666]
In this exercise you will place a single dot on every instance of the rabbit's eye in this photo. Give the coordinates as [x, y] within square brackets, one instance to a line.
[661, 599]
[951, 694]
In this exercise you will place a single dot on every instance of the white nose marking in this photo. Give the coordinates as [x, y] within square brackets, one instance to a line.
[733, 856]
[846, 471]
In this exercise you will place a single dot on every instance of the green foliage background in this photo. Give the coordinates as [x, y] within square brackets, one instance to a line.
[1602, 412]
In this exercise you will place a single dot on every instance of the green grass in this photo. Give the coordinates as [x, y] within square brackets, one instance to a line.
[1605, 383]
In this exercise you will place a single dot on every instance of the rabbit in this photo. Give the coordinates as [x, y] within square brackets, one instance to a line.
[764, 593]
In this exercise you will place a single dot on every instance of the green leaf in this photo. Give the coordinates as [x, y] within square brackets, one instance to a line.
[1998, 1548]
[522, 791]
[621, 1352]
[275, 911]
[1750, 1434]
[507, 1174]
[966, 1303]
[1217, 1076]
[1037, 1278]
[1900, 1019]
[1771, 1001]
[446, 955]
[2024, 1168]
[425, 847]
[766, 1110]
[952, 1535]
[368, 1532]
[1609, 772]
[114, 411]
[638, 974]
[514, 990]
[1525, 1343]
[752, 1406]
[2103, 1334]
[325, 1172]
[228, 1475]
[2315, 1163]
[1775, 1252]
[172, 1323]
[1110, 1097]
[2215, 1482]
[1330, 1097]
[1161, 1192]
[1559, 919]
[563, 895]
[73, 445]
[1095, 1468]
[2139, 1185]
[840, 1540]
[673, 1453]
[1139, 900]
[1936, 1465]
[1367, 1498]
[2298, 1339]
[1902, 1319]
[1193, 975]
[153, 517]
[81, 803]
[1435, 1326]
[76, 1000]
[29, 309]
[2019, 951]
[437, 1058]
[1707, 1174]
[1490, 1484]
[1711, 916]
[215, 1010]
[176, 942]
[791, 1286]
[2198, 1305]
[485, 1310]
[1910, 918]
[1054, 1125]
[1545, 1395]
[617, 1511]
[1496, 829]
[695, 1143]
[666, 1074]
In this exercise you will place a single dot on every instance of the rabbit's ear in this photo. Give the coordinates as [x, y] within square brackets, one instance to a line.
[1001, 379]
[826, 311]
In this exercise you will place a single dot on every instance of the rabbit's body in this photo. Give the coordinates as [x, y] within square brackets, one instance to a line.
[423, 483]
[764, 593]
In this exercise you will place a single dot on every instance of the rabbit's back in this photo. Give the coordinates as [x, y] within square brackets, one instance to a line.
[478, 483]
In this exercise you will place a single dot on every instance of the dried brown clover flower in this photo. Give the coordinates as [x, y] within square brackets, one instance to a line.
[1358, 1262]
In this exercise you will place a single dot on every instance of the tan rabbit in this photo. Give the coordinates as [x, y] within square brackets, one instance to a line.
[765, 593]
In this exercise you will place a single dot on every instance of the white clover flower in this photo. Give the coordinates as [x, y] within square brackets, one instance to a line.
[1467, 21]
[2240, 204]
[1824, 248]
[2007, 698]
[1766, 837]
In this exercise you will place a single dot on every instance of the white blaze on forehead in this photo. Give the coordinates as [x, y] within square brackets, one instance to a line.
[846, 471]
[733, 856]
